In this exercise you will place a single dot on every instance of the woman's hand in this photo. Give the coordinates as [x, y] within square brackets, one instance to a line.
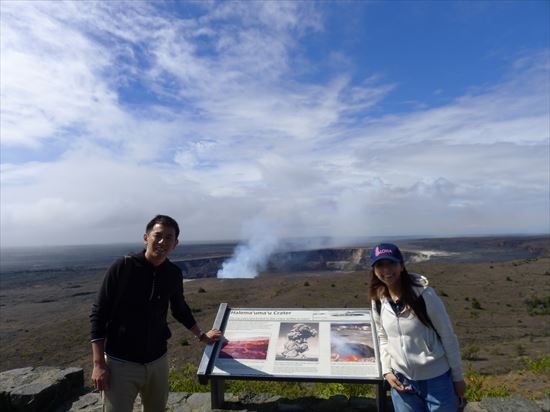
[460, 388]
[395, 383]
[213, 335]
[100, 376]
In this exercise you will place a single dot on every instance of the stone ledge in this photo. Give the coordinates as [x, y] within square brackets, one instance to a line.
[200, 402]
[52, 389]
[38, 389]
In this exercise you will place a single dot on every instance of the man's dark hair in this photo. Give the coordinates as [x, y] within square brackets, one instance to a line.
[163, 220]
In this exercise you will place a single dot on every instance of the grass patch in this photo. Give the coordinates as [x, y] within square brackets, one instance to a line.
[540, 364]
[479, 386]
[184, 379]
[478, 389]
[326, 390]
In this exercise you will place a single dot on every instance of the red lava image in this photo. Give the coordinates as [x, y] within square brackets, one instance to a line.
[253, 348]
[347, 358]
[348, 342]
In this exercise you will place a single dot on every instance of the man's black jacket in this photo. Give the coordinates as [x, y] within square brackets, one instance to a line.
[131, 307]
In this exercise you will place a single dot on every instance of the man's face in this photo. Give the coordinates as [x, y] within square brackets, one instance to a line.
[160, 241]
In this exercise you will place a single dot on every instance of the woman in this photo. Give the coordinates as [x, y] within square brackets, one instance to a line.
[419, 351]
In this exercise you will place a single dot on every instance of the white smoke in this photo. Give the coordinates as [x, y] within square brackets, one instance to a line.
[425, 255]
[250, 258]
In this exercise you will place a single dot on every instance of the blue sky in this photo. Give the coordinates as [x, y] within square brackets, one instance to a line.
[324, 118]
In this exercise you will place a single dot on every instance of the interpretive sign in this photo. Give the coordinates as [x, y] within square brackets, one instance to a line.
[317, 345]
[331, 343]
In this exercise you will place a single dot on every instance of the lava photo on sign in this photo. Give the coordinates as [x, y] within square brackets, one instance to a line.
[351, 342]
[254, 347]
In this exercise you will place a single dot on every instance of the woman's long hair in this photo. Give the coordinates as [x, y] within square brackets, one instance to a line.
[377, 290]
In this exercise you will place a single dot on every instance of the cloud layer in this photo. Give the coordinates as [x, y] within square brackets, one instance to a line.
[112, 112]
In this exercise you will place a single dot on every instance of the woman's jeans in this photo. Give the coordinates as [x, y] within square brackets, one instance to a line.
[430, 395]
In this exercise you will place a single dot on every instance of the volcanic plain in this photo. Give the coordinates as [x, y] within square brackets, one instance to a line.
[490, 287]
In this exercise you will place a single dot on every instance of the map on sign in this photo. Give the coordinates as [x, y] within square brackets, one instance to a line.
[332, 343]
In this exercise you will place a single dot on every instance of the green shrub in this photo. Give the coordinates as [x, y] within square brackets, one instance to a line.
[538, 306]
[476, 304]
[184, 379]
[540, 364]
[470, 352]
[326, 390]
[476, 388]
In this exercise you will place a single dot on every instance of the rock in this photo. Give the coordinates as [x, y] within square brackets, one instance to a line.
[181, 408]
[199, 402]
[509, 405]
[264, 402]
[90, 402]
[175, 398]
[39, 389]
[544, 404]
[257, 398]
[473, 407]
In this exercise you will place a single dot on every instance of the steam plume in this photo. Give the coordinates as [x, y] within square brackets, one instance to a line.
[251, 257]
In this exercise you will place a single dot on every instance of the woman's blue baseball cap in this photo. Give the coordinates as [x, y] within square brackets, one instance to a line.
[385, 251]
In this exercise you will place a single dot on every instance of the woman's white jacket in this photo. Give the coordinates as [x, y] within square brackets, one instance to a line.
[410, 347]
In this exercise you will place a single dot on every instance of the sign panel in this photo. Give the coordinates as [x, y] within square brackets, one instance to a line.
[304, 343]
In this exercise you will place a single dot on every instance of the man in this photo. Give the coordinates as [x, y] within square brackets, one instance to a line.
[128, 319]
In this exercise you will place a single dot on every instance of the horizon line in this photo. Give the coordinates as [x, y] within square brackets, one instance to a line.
[302, 238]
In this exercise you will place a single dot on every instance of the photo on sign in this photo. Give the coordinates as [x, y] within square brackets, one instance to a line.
[244, 347]
[351, 342]
[298, 342]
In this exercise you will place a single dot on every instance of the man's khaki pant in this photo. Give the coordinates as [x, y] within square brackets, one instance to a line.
[128, 379]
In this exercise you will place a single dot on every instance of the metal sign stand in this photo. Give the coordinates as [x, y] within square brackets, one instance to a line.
[217, 393]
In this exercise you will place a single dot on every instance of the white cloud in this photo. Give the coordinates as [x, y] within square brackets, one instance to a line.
[206, 118]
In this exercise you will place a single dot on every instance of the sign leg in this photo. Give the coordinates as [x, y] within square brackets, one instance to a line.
[217, 393]
[381, 396]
